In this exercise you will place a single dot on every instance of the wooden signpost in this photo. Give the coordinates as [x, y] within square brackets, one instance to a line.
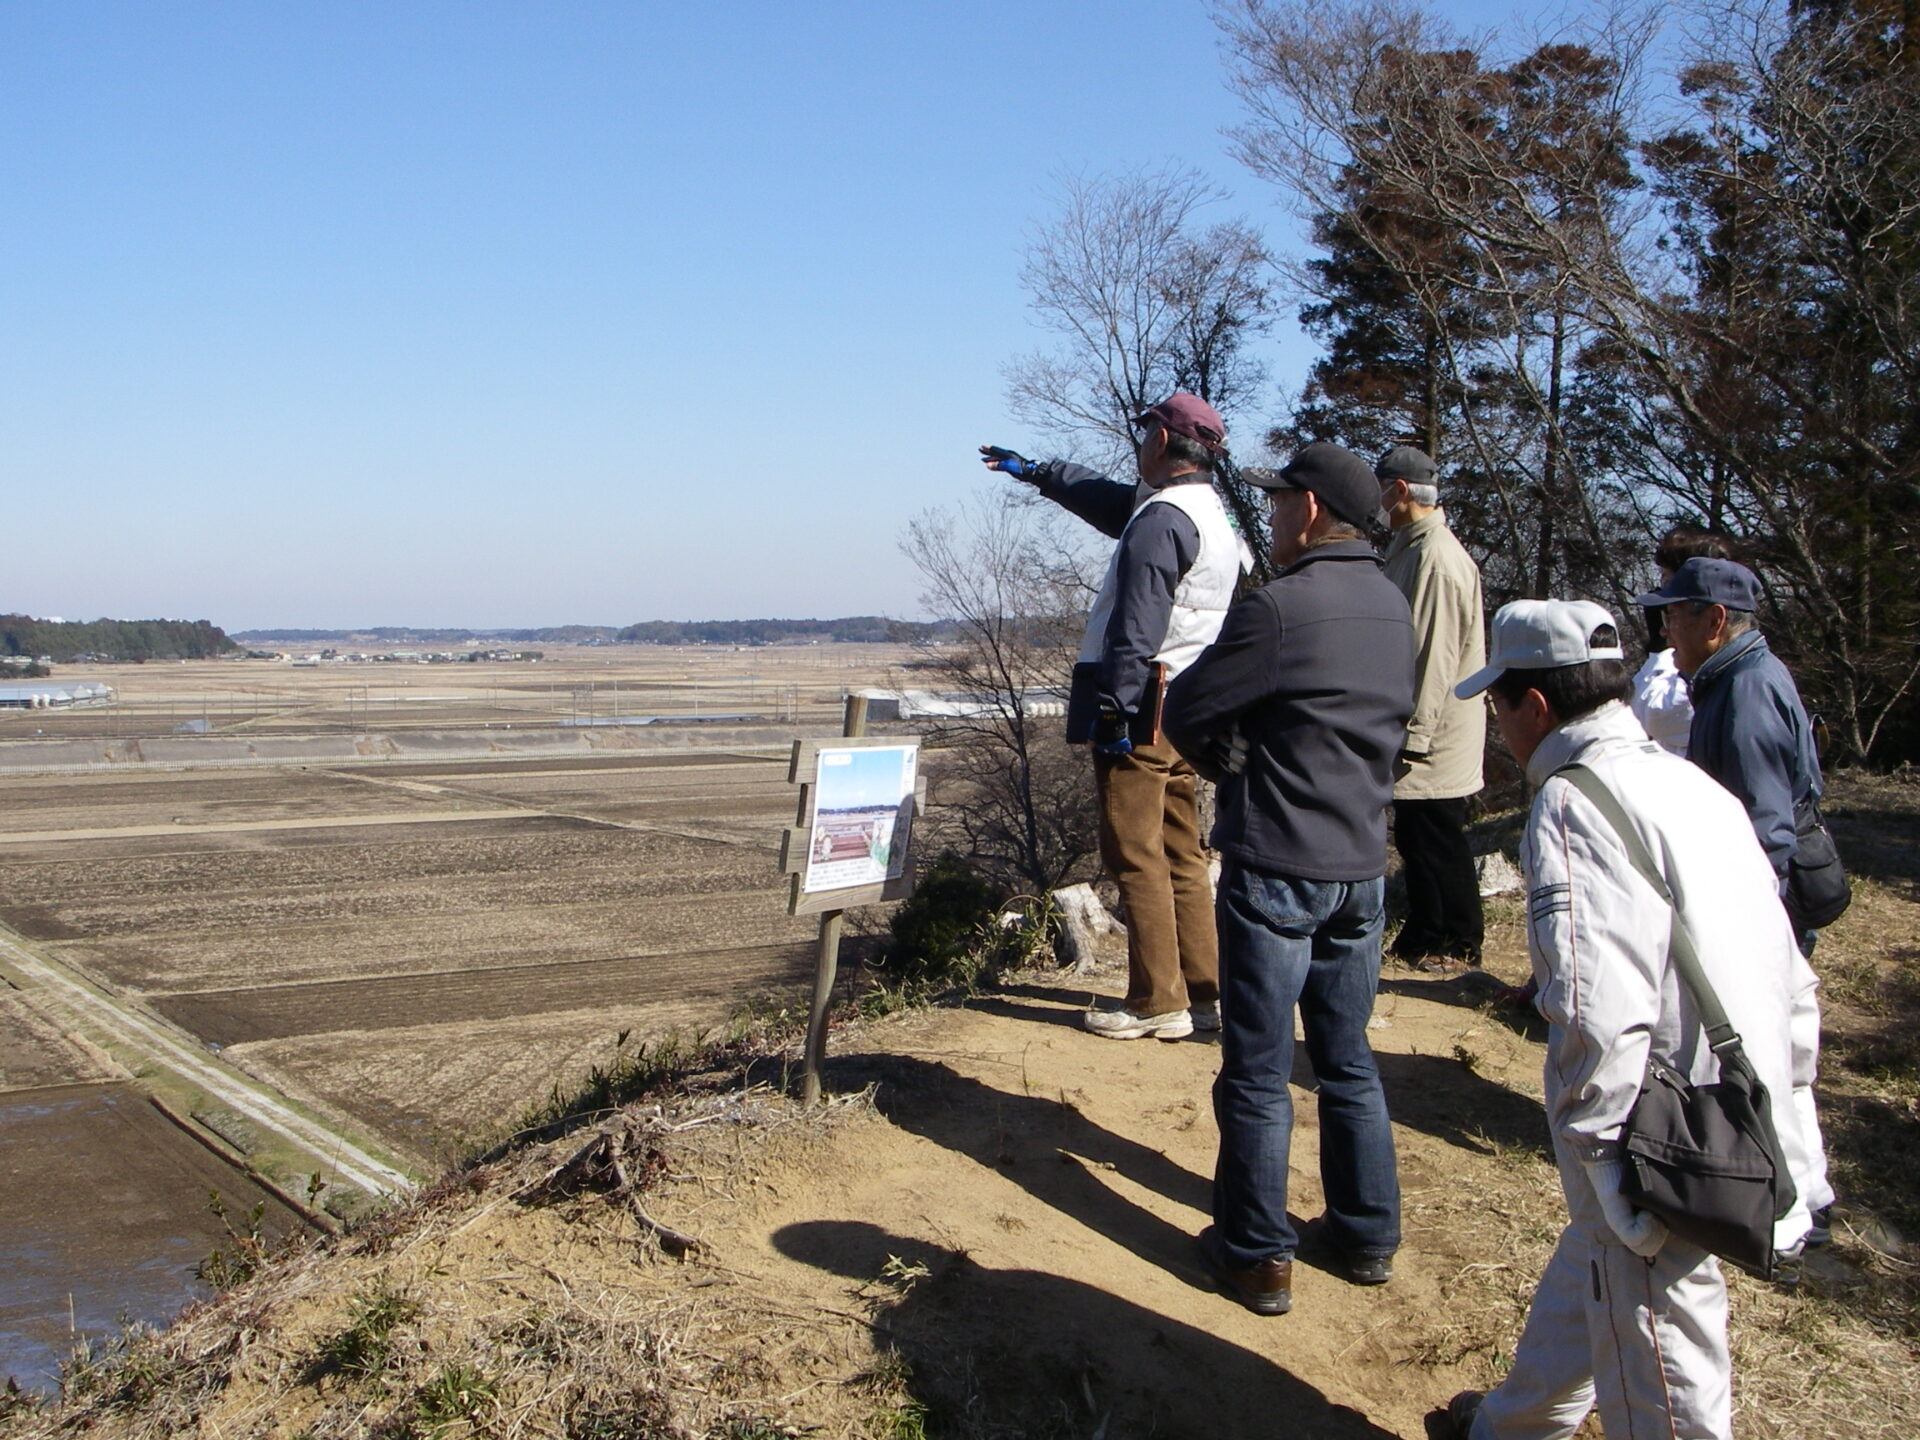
[854, 839]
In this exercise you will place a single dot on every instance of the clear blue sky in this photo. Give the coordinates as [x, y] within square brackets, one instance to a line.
[523, 314]
[868, 777]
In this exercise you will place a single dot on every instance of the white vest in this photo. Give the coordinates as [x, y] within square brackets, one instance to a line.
[1201, 598]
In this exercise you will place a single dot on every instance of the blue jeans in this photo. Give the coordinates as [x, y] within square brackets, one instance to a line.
[1315, 944]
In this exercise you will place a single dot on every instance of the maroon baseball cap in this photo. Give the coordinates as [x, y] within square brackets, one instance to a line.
[1190, 416]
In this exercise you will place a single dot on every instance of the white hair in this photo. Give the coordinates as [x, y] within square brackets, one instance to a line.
[1423, 494]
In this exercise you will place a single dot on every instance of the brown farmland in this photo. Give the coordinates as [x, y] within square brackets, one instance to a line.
[413, 900]
[799, 684]
[422, 946]
[291, 906]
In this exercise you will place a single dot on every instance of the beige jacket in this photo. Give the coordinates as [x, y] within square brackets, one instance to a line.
[1446, 737]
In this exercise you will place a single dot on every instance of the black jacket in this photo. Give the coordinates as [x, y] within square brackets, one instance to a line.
[1316, 670]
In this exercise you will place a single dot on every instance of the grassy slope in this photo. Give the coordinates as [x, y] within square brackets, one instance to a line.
[494, 1305]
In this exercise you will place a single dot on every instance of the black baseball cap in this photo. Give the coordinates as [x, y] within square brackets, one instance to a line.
[1334, 475]
[1710, 580]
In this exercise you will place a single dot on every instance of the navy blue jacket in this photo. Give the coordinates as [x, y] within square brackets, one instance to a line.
[1316, 670]
[1154, 557]
[1751, 733]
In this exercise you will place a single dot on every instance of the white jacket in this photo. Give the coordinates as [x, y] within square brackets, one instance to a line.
[1598, 933]
[1662, 702]
[1200, 600]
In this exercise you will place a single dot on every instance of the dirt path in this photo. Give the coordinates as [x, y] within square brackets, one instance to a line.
[1049, 1183]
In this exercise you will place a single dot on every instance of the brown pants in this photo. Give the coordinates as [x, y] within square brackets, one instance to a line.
[1150, 841]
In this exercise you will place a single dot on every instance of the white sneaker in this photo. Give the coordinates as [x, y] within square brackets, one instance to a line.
[1207, 1016]
[1125, 1025]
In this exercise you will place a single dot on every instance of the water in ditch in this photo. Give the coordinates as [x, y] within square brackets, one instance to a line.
[104, 1216]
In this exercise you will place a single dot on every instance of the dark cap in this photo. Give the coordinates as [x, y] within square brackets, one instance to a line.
[1404, 462]
[1334, 475]
[1711, 581]
[1190, 416]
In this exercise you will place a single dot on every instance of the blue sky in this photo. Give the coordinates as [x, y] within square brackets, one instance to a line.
[524, 314]
[863, 777]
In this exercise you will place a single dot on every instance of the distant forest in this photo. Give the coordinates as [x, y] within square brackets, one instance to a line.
[120, 640]
[852, 629]
[867, 629]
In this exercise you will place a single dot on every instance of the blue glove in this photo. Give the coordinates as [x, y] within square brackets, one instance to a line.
[1122, 746]
[1009, 462]
[1110, 734]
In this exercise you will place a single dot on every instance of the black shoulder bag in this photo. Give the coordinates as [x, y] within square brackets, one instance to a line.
[1704, 1158]
[1817, 889]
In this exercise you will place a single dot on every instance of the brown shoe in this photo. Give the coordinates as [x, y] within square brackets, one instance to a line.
[1265, 1287]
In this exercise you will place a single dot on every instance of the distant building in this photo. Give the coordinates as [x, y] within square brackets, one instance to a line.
[931, 705]
[53, 695]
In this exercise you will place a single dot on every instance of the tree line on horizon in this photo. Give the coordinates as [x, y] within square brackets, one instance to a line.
[124, 641]
[852, 629]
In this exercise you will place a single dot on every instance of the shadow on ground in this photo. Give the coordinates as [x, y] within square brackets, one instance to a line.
[1441, 1097]
[1474, 990]
[1875, 822]
[1022, 1352]
[1042, 1143]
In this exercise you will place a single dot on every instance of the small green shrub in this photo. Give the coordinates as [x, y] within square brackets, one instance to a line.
[456, 1392]
[751, 1427]
[121, 1373]
[240, 1260]
[366, 1344]
[940, 931]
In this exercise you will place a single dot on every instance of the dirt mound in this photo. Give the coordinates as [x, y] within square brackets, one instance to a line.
[988, 1234]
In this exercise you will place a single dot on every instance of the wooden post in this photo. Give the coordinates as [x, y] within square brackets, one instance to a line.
[827, 963]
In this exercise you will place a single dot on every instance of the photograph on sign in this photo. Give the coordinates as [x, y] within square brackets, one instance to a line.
[862, 816]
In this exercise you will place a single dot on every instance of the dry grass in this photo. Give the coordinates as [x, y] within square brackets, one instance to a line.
[1504, 1236]
[543, 1290]
[533, 1294]
[1840, 1357]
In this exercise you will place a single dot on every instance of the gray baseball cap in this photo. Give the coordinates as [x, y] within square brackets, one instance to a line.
[1408, 463]
[1542, 635]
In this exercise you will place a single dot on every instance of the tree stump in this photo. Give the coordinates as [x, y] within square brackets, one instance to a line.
[1083, 919]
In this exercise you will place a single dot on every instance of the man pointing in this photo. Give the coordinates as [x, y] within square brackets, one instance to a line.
[1166, 591]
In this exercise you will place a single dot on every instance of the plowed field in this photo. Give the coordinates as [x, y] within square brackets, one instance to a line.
[274, 1012]
[351, 930]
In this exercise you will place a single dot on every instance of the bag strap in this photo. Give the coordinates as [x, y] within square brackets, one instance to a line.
[1720, 1032]
[1807, 817]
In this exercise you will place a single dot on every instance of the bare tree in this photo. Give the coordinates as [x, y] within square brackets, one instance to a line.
[1760, 296]
[1147, 299]
[1416, 152]
[1009, 578]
